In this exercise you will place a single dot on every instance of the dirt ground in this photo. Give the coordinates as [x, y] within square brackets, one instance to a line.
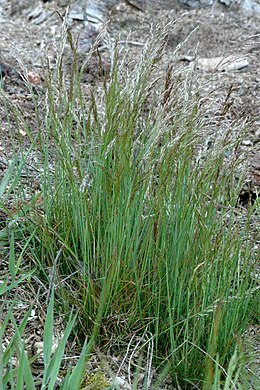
[31, 36]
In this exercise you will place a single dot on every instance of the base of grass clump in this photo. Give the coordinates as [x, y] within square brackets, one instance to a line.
[139, 221]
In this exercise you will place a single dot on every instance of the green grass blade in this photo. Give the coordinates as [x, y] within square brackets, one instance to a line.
[76, 376]
[4, 287]
[12, 257]
[28, 377]
[21, 371]
[6, 179]
[9, 351]
[231, 370]
[21, 355]
[48, 333]
[1, 362]
[65, 384]
[54, 365]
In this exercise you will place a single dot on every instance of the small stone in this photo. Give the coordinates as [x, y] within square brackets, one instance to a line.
[41, 18]
[120, 381]
[77, 16]
[247, 142]
[36, 12]
[34, 78]
[63, 3]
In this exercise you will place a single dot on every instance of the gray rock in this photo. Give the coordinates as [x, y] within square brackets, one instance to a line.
[76, 16]
[248, 6]
[197, 3]
[97, 11]
[35, 12]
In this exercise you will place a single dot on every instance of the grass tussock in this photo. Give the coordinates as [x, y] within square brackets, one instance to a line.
[138, 219]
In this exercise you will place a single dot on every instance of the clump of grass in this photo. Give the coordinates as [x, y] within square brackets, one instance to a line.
[139, 222]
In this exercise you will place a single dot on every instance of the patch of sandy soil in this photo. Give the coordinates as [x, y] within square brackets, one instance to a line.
[31, 38]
